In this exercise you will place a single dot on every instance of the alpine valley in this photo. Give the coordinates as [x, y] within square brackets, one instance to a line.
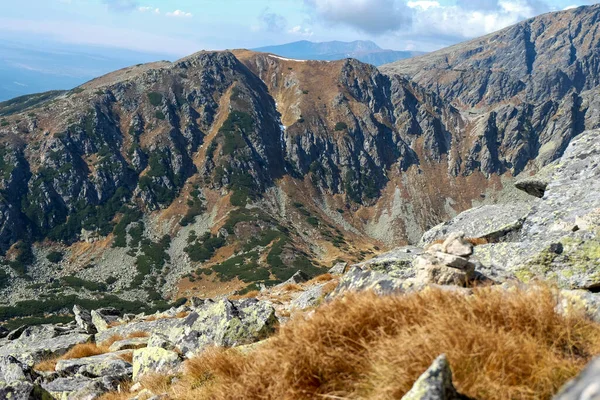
[226, 171]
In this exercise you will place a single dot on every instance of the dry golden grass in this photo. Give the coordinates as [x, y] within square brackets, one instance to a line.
[127, 357]
[114, 338]
[138, 334]
[182, 314]
[320, 279]
[501, 345]
[250, 295]
[292, 287]
[78, 351]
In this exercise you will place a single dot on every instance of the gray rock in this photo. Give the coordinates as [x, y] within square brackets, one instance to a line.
[309, 298]
[160, 340]
[83, 318]
[78, 388]
[443, 269]
[491, 222]
[586, 386]
[338, 269]
[155, 360]
[435, 383]
[225, 323]
[109, 364]
[456, 245]
[16, 381]
[129, 344]
[102, 318]
[42, 342]
[150, 327]
[359, 279]
[298, 277]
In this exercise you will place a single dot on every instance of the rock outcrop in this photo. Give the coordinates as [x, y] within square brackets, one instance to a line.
[435, 383]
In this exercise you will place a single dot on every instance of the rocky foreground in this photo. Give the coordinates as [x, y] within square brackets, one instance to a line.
[553, 237]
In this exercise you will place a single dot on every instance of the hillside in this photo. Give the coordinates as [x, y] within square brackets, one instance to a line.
[226, 171]
[364, 51]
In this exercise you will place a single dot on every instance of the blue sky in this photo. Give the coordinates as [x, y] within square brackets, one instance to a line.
[178, 27]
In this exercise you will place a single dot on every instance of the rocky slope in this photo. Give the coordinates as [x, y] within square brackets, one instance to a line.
[38, 361]
[225, 171]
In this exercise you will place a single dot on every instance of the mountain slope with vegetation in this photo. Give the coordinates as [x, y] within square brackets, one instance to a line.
[226, 171]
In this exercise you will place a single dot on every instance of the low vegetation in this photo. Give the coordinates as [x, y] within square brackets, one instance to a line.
[501, 345]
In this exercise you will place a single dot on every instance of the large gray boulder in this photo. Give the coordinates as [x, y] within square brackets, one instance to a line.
[586, 386]
[104, 317]
[80, 387]
[224, 323]
[435, 383]
[560, 237]
[84, 321]
[491, 222]
[16, 381]
[40, 342]
[149, 327]
[155, 360]
[109, 364]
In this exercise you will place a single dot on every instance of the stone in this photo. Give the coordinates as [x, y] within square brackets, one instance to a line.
[580, 301]
[456, 245]
[435, 384]
[155, 360]
[16, 381]
[338, 269]
[298, 277]
[586, 386]
[129, 344]
[83, 318]
[150, 327]
[42, 342]
[160, 340]
[309, 298]
[102, 318]
[224, 323]
[109, 364]
[359, 279]
[78, 388]
[491, 222]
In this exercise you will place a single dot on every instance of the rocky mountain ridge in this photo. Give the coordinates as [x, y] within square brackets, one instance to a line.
[225, 171]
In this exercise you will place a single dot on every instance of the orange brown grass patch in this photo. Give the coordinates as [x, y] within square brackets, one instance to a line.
[501, 345]
[78, 351]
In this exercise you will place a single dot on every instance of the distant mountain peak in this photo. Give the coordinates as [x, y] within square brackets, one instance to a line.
[363, 50]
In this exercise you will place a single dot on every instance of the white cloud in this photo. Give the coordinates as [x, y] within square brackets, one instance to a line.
[179, 14]
[370, 16]
[299, 30]
[423, 4]
[149, 9]
[270, 22]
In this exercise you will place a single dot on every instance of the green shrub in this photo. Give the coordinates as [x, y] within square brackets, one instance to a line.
[78, 283]
[55, 257]
[341, 126]
[155, 98]
[159, 115]
[204, 248]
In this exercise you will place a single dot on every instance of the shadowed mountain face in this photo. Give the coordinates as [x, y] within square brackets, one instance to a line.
[364, 51]
[533, 85]
[239, 168]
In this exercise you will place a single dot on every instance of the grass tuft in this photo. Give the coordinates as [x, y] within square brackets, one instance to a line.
[501, 345]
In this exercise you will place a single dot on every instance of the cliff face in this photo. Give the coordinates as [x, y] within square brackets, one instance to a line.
[247, 167]
[534, 84]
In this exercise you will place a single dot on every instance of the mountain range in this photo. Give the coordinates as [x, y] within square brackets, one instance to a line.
[362, 50]
[225, 171]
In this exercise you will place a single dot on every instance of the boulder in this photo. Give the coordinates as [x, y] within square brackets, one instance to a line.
[103, 317]
[155, 360]
[79, 387]
[16, 381]
[338, 269]
[586, 386]
[160, 340]
[83, 318]
[40, 342]
[309, 298]
[150, 327]
[109, 364]
[444, 269]
[491, 222]
[580, 301]
[435, 383]
[456, 245]
[359, 279]
[224, 323]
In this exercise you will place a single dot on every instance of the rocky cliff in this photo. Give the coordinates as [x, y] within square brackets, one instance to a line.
[225, 171]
